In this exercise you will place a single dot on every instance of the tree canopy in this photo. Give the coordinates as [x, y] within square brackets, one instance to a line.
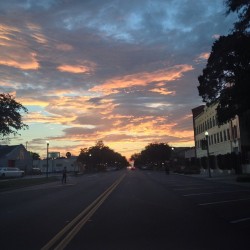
[35, 156]
[242, 7]
[11, 115]
[101, 157]
[226, 77]
[68, 154]
[153, 156]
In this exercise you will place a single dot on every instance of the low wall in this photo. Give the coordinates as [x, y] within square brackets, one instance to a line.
[217, 172]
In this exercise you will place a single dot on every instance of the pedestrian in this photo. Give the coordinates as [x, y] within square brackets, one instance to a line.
[64, 175]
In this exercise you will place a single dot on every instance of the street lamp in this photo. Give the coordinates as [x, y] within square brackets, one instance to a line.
[209, 172]
[172, 159]
[47, 172]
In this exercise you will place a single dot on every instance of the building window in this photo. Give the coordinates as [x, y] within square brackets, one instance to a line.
[218, 138]
[234, 132]
[221, 138]
[210, 122]
[213, 121]
[212, 141]
[225, 135]
[228, 134]
[215, 141]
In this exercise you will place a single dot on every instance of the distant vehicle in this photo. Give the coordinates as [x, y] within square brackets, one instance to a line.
[36, 171]
[11, 172]
[132, 168]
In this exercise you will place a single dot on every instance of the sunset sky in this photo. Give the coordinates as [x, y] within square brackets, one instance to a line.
[124, 72]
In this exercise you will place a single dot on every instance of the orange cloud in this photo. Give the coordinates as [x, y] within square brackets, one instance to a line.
[163, 91]
[18, 61]
[128, 134]
[203, 56]
[36, 33]
[14, 52]
[75, 69]
[37, 117]
[33, 102]
[143, 78]
[6, 84]
[64, 47]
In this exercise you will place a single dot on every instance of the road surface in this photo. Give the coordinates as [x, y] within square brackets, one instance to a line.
[127, 209]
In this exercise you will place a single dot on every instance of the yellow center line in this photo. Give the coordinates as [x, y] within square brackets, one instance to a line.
[76, 224]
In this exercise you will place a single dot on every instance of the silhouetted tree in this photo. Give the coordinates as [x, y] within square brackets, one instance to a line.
[68, 154]
[154, 155]
[10, 115]
[242, 7]
[227, 74]
[35, 156]
[100, 157]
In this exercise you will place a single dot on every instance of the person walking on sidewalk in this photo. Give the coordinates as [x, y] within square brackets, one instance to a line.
[64, 175]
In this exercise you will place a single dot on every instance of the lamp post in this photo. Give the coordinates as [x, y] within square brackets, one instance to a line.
[209, 172]
[172, 159]
[47, 172]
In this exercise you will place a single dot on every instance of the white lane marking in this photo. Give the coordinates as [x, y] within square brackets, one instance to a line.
[63, 237]
[220, 202]
[221, 192]
[240, 220]
[188, 184]
[183, 189]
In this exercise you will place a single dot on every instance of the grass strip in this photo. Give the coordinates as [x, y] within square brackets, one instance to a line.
[9, 184]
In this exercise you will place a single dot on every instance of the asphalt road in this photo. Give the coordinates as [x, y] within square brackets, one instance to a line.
[127, 210]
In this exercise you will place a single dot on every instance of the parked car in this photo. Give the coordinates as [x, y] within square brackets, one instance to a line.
[36, 171]
[11, 172]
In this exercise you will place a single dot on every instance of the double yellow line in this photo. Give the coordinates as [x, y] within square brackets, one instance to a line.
[62, 239]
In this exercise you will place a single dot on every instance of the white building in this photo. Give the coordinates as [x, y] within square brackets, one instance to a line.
[58, 164]
[222, 140]
[15, 156]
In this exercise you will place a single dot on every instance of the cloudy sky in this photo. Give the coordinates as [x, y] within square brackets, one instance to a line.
[121, 71]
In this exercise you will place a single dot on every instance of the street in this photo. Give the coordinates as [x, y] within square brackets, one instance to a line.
[127, 209]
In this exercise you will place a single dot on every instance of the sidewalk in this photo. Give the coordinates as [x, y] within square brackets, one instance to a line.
[229, 179]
